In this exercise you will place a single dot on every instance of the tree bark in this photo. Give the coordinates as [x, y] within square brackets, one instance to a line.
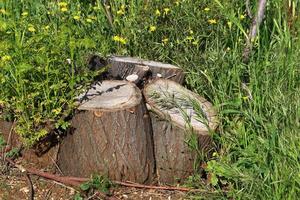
[112, 135]
[174, 122]
[121, 67]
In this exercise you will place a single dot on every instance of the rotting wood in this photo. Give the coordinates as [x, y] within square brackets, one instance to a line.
[174, 121]
[121, 67]
[112, 135]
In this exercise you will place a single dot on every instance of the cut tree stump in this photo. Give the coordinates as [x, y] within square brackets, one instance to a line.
[121, 67]
[174, 122]
[112, 135]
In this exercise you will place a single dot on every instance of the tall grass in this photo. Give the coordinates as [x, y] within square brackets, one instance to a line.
[258, 136]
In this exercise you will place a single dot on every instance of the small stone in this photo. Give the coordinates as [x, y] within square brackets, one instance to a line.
[132, 77]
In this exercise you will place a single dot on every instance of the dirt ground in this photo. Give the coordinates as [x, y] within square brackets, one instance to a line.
[13, 186]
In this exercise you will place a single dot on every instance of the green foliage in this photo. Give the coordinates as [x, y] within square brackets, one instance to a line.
[98, 182]
[2, 141]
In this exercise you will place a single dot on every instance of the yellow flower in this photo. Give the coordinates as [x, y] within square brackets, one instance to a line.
[166, 10]
[62, 4]
[76, 17]
[228, 49]
[89, 20]
[206, 9]
[189, 38]
[195, 42]
[191, 32]
[2, 11]
[31, 29]
[177, 3]
[242, 17]
[165, 40]
[212, 21]
[119, 39]
[157, 12]
[120, 12]
[152, 28]
[122, 7]
[6, 58]
[229, 24]
[47, 27]
[24, 14]
[64, 9]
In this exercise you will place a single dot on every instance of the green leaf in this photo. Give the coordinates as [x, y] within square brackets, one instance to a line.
[85, 186]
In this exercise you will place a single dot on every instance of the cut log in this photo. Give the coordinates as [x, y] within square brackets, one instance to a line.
[121, 67]
[112, 135]
[177, 115]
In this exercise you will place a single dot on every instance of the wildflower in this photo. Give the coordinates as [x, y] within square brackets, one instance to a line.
[152, 28]
[189, 38]
[47, 27]
[195, 42]
[31, 29]
[229, 24]
[206, 9]
[2, 11]
[62, 4]
[191, 32]
[212, 21]
[120, 12]
[215, 154]
[64, 9]
[119, 39]
[89, 20]
[157, 12]
[228, 49]
[165, 40]
[242, 17]
[177, 3]
[24, 14]
[76, 17]
[6, 58]
[166, 10]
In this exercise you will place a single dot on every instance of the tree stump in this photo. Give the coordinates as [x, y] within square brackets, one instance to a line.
[112, 135]
[121, 67]
[179, 118]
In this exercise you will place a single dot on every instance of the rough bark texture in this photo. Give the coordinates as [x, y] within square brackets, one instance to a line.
[114, 138]
[121, 67]
[174, 158]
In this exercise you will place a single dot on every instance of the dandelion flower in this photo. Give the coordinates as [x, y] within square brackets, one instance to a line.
[206, 9]
[119, 39]
[89, 20]
[6, 58]
[120, 12]
[242, 17]
[229, 24]
[166, 10]
[157, 12]
[62, 4]
[165, 40]
[212, 21]
[31, 29]
[24, 14]
[2, 11]
[76, 17]
[152, 28]
[64, 9]
[189, 38]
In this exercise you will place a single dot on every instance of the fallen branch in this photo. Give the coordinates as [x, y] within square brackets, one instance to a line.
[254, 29]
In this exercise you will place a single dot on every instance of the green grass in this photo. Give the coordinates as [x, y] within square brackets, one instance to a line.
[259, 133]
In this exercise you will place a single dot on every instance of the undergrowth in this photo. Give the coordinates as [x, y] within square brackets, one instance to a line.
[44, 44]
